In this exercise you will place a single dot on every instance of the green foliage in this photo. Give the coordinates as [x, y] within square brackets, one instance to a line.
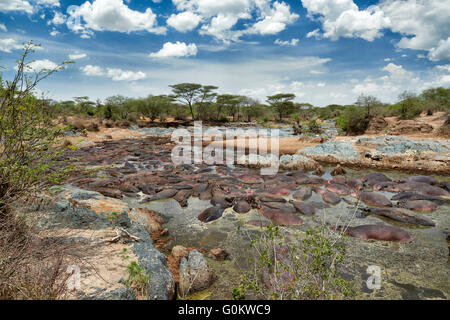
[282, 104]
[302, 269]
[29, 146]
[224, 119]
[353, 120]
[137, 278]
[312, 127]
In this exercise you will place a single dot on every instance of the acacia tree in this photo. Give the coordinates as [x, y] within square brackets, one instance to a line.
[231, 103]
[282, 104]
[206, 100]
[187, 94]
[369, 103]
[153, 106]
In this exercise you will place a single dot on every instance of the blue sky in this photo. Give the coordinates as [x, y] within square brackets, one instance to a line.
[324, 51]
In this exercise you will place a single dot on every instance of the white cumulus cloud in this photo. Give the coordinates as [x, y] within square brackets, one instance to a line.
[112, 15]
[115, 74]
[175, 50]
[185, 21]
[7, 45]
[292, 43]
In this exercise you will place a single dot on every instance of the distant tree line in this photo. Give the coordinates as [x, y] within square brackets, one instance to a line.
[191, 101]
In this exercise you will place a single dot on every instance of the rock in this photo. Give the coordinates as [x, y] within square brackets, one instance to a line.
[376, 125]
[195, 274]
[338, 170]
[297, 161]
[150, 219]
[338, 150]
[242, 207]
[409, 127]
[179, 252]
[218, 254]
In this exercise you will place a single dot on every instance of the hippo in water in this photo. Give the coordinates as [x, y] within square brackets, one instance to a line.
[378, 232]
[162, 195]
[328, 196]
[375, 177]
[304, 208]
[409, 195]
[211, 214]
[402, 215]
[280, 216]
[339, 180]
[423, 179]
[420, 205]
[339, 189]
[182, 197]
[374, 199]
[304, 193]
[355, 184]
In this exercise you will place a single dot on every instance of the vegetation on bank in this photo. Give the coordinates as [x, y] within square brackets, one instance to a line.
[203, 102]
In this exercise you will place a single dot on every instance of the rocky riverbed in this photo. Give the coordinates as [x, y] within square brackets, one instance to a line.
[187, 217]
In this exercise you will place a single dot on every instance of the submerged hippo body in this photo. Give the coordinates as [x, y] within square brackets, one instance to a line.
[379, 232]
[182, 197]
[339, 189]
[420, 205]
[304, 193]
[409, 195]
[162, 195]
[328, 196]
[211, 214]
[424, 179]
[281, 217]
[403, 215]
[374, 199]
[304, 208]
[375, 177]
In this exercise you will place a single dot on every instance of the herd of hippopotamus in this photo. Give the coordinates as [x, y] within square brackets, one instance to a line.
[147, 172]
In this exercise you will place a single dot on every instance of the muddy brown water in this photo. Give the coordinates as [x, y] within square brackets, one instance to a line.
[417, 270]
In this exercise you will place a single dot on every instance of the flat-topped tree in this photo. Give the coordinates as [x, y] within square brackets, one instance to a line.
[282, 103]
[188, 94]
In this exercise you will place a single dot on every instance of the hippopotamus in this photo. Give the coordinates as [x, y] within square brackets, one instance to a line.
[310, 180]
[390, 186]
[162, 195]
[420, 205]
[409, 195]
[268, 197]
[222, 200]
[430, 190]
[355, 184]
[204, 170]
[375, 177]
[328, 196]
[378, 232]
[211, 214]
[304, 208]
[374, 199]
[279, 191]
[445, 185]
[424, 179]
[242, 206]
[319, 205]
[249, 179]
[304, 193]
[281, 217]
[280, 206]
[198, 189]
[338, 179]
[182, 197]
[402, 215]
[339, 189]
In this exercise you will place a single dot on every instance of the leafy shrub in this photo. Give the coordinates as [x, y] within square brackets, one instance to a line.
[353, 121]
[224, 119]
[137, 278]
[304, 270]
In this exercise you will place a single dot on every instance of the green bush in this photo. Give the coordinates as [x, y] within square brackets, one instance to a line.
[224, 119]
[353, 121]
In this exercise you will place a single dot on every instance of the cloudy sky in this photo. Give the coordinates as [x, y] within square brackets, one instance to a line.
[324, 51]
